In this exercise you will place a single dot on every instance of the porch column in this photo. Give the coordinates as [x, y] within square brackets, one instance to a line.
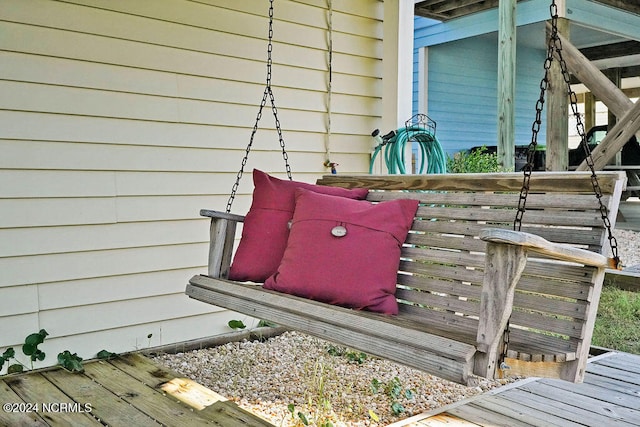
[506, 83]
[558, 111]
[397, 68]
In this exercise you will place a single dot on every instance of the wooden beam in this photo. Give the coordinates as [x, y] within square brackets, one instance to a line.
[506, 84]
[557, 113]
[605, 90]
[616, 138]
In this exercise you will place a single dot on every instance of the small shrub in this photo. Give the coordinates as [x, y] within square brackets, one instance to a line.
[476, 161]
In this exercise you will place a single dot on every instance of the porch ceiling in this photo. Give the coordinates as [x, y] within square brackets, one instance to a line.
[443, 10]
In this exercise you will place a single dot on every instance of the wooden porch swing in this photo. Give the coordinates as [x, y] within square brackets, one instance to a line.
[479, 295]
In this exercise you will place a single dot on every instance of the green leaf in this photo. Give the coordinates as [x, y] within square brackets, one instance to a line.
[408, 394]
[104, 354]
[71, 362]
[236, 324]
[373, 416]
[303, 418]
[266, 323]
[29, 349]
[292, 408]
[37, 338]
[15, 368]
[397, 408]
[375, 385]
[31, 343]
[8, 353]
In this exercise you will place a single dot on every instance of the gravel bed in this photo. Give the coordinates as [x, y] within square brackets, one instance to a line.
[327, 382]
[324, 381]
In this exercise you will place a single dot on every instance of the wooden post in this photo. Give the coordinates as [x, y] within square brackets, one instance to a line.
[506, 83]
[397, 73]
[557, 113]
[589, 111]
[615, 77]
[504, 265]
[222, 235]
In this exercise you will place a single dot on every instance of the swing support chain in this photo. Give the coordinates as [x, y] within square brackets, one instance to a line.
[554, 46]
[268, 93]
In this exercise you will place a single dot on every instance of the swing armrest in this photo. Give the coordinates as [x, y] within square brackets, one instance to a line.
[221, 215]
[545, 247]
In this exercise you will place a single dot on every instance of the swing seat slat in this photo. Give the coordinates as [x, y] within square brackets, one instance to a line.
[464, 275]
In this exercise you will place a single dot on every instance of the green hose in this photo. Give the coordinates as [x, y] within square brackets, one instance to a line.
[432, 159]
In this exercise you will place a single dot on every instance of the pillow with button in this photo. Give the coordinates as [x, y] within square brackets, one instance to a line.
[344, 252]
[265, 230]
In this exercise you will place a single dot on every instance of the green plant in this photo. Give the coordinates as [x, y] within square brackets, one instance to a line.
[266, 323]
[70, 362]
[236, 324]
[395, 391]
[29, 348]
[475, 161]
[303, 419]
[358, 357]
[105, 355]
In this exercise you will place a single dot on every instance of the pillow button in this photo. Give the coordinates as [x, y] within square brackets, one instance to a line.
[339, 231]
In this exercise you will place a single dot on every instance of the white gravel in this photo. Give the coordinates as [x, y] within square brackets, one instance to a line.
[323, 381]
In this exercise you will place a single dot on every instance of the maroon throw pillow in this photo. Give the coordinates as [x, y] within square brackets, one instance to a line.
[344, 252]
[265, 230]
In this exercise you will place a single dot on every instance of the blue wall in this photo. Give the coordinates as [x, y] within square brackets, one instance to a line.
[462, 90]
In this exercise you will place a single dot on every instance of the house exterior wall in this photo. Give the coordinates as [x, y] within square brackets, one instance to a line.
[461, 90]
[120, 119]
[460, 87]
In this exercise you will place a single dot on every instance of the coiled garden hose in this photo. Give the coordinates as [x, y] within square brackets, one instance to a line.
[432, 159]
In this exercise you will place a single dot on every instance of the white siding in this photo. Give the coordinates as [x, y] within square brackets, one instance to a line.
[120, 119]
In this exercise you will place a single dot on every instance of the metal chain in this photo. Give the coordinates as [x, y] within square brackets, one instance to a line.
[267, 93]
[535, 128]
[555, 46]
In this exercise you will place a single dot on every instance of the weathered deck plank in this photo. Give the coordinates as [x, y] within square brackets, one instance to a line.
[121, 392]
[22, 418]
[609, 395]
[38, 390]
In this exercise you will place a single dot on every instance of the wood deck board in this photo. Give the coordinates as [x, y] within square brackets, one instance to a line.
[139, 395]
[521, 415]
[37, 389]
[558, 405]
[596, 404]
[122, 392]
[7, 395]
[610, 395]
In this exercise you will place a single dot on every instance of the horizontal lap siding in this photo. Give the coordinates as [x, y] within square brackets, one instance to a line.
[120, 120]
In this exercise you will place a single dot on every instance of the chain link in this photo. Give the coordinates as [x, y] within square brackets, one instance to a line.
[268, 93]
[555, 46]
[535, 128]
